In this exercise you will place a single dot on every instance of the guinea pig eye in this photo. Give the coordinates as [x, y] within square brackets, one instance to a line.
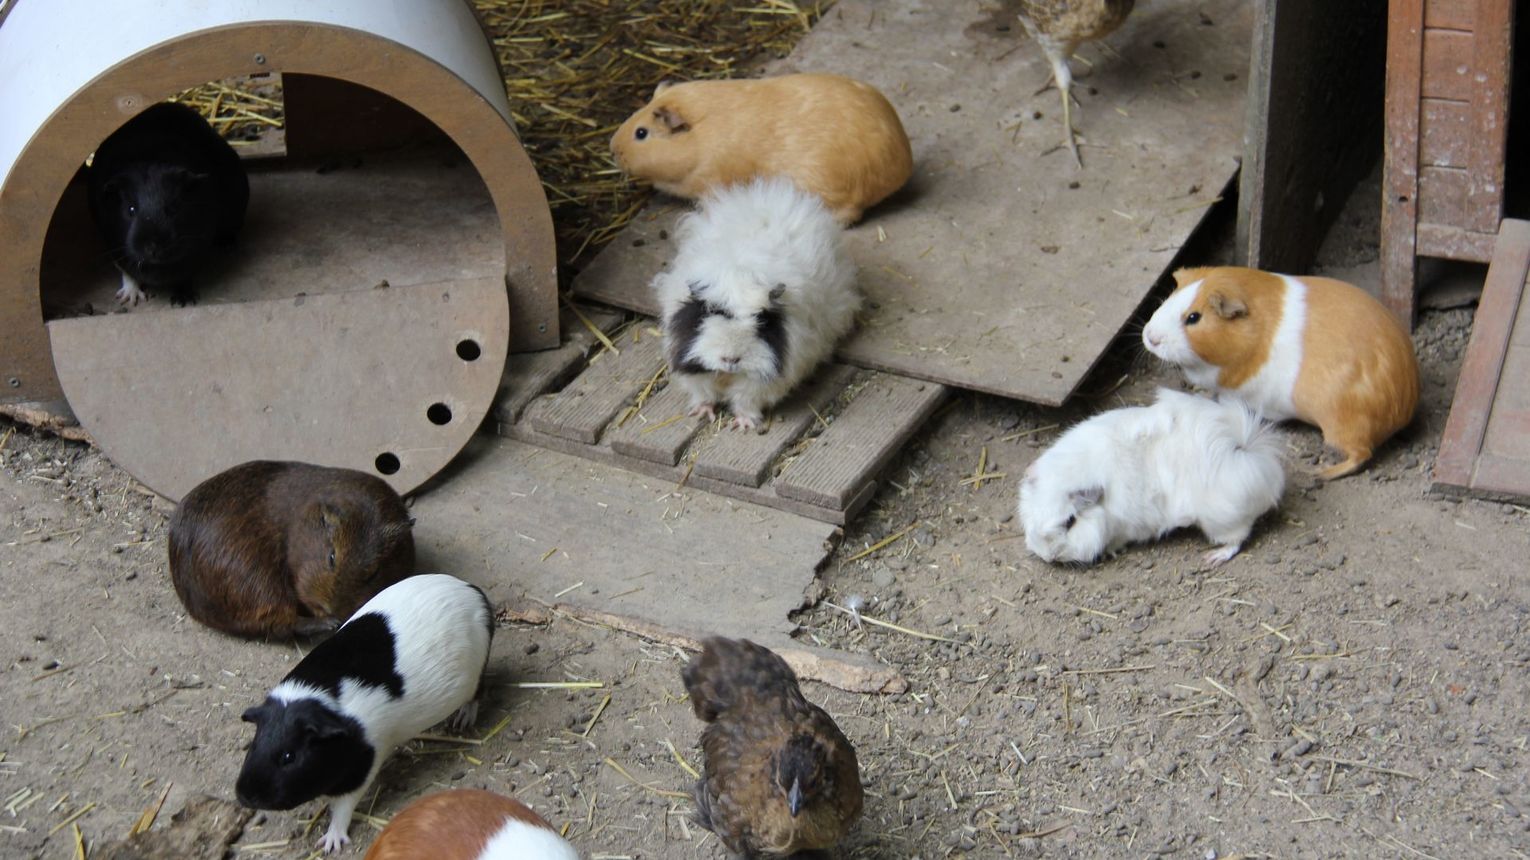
[287, 757]
[132, 209]
[1192, 318]
[331, 558]
[641, 133]
[1072, 518]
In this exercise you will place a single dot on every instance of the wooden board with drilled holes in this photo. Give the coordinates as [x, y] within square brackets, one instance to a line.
[598, 415]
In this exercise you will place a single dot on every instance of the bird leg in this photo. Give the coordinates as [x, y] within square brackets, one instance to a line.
[1064, 77]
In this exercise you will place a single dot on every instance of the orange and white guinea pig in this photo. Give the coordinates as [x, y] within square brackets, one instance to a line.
[832, 136]
[1315, 349]
[469, 824]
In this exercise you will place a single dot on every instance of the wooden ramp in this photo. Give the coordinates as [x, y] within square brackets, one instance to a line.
[1002, 267]
[819, 457]
[541, 531]
[1486, 447]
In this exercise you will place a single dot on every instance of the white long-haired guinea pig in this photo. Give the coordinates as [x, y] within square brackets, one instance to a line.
[469, 824]
[1310, 348]
[1137, 473]
[758, 295]
[409, 658]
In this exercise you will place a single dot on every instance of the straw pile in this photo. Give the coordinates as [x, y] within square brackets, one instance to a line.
[574, 70]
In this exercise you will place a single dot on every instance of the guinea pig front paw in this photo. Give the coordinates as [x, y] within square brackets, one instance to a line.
[182, 297]
[129, 294]
[333, 841]
[706, 410]
[748, 422]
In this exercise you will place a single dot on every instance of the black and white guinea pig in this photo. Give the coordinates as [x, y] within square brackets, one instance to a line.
[1138, 473]
[758, 295]
[409, 658]
[164, 189]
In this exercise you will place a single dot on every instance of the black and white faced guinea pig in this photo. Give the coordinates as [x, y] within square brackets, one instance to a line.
[272, 548]
[1138, 473]
[164, 189]
[413, 656]
[758, 295]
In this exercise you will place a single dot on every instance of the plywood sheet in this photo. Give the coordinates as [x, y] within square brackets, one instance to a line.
[1003, 268]
[1485, 449]
[538, 527]
[376, 380]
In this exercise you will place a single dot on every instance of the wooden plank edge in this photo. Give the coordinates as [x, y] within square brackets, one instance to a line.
[677, 473]
[935, 396]
[1478, 380]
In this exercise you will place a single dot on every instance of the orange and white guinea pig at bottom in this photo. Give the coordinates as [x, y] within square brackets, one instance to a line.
[469, 824]
[1315, 349]
[831, 136]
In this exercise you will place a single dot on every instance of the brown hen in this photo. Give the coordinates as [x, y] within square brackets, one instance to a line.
[779, 775]
[1059, 27]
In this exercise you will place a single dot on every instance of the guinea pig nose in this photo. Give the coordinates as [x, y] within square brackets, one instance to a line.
[731, 359]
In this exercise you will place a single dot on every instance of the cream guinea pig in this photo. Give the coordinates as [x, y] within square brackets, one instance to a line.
[833, 136]
[1315, 349]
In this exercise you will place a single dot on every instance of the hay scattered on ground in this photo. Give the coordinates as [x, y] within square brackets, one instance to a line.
[574, 70]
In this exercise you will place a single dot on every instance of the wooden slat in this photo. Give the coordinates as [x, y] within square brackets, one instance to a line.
[528, 375]
[1451, 14]
[1445, 134]
[647, 436]
[1508, 428]
[580, 411]
[1447, 64]
[1501, 478]
[1478, 382]
[1442, 193]
[1454, 243]
[1490, 113]
[866, 434]
[745, 458]
[1399, 199]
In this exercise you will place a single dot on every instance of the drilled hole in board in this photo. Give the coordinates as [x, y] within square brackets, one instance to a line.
[387, 463]
[468, 349]
[439, 414]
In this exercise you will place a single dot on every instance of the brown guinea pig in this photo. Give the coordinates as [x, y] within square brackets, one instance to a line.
[1311, 348]
[273, 548]
[832, 136]
[469, 824]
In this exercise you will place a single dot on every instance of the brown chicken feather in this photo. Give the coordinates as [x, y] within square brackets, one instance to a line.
[779, 777]
[1059, 27]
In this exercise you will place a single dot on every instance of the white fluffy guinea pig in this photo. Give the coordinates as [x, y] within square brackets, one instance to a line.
[834, 136]
[1137, 473]
[1315, 349]
[409, 658]
[469, 824]
[760, 291]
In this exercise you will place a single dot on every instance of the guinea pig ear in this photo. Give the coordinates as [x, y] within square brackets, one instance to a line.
[1227, 307]
[322, 724]
[777, 292]
[671, 120]
[1087, 497]
[695, 287]
[254, 714]
[328, 517]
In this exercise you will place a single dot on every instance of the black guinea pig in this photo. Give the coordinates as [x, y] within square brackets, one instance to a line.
[413, 656]
[271, 548]
[165, 189]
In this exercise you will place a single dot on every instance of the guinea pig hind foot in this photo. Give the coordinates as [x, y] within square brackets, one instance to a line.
[463, 718]
[1221, 555]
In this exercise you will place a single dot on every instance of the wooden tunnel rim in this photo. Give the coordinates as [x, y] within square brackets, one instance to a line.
[52, 155]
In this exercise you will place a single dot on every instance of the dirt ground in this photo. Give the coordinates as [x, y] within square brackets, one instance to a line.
[1352, 685]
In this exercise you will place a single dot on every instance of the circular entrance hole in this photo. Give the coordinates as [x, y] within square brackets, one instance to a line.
[468, 349]
[439, 414]
[387, 463]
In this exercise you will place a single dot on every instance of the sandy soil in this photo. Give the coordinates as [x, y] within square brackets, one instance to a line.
[1352, 685]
